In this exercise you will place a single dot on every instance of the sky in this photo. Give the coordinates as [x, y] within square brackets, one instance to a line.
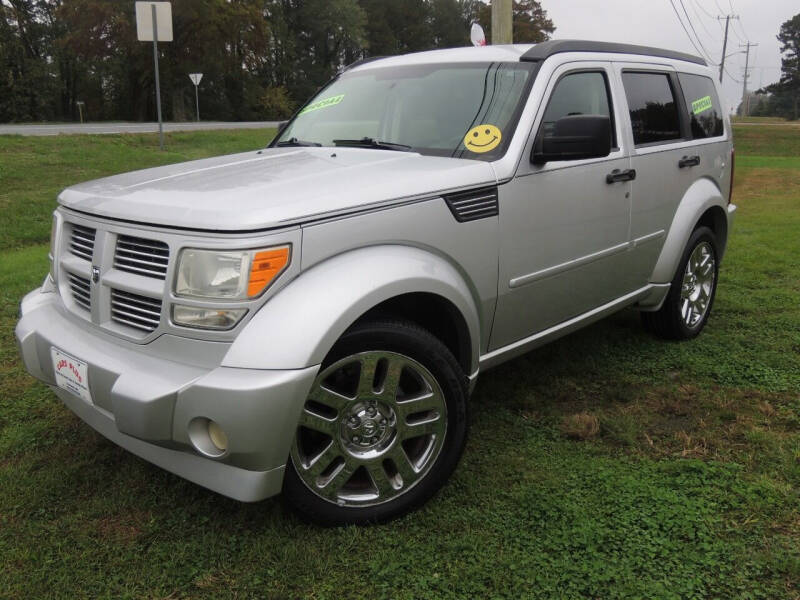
[654, 23]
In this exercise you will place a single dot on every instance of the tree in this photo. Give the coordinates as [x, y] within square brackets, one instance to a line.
[259, 58]
[396, 27]
[449, 24]
[27, 92]
[786, 92]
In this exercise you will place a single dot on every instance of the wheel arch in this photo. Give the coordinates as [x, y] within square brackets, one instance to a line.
[433, 312]
[702, 204]
[300, 324]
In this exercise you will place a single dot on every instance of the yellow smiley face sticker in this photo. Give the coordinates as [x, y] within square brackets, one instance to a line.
[482, 138]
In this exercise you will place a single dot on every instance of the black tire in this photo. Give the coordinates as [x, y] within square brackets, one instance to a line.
[408, 339]
[668, 322]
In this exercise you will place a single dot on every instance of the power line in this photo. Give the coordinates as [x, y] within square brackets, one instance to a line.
[728, 73]
[746, 37]
[741, 26]
[686, 31]
[739, 37]
[700, 4]
[700, 19]
[689, 20]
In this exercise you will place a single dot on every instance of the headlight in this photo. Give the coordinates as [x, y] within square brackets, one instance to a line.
[233, 275]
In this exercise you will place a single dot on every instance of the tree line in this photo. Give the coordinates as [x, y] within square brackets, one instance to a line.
[781, 99]
[260, 58]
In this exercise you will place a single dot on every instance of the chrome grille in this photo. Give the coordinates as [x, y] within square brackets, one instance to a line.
[143, 257]
[81, 242]
[81, 292]
[135, 311]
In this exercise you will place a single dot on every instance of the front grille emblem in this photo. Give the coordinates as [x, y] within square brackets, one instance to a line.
[95, 274]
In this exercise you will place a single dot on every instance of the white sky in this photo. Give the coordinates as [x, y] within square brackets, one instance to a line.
[654, 23]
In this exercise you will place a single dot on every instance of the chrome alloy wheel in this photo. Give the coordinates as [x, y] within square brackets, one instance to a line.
[697, 284]
[372, 426]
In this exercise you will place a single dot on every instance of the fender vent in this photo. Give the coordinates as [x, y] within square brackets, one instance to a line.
[473, 204]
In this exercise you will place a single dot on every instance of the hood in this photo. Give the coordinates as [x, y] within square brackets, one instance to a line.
[271, 187]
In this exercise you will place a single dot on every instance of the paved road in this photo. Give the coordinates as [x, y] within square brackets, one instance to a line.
[771, 123]
[106, 128]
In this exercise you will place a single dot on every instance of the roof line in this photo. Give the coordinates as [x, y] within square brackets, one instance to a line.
[543, 50]
[362, 61]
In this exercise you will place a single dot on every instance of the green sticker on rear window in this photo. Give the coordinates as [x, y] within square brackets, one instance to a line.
[324, 103]
[701, 105]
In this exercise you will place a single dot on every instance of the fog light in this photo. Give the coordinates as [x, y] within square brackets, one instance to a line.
[206, 318]
[218, 437]
[207, 437]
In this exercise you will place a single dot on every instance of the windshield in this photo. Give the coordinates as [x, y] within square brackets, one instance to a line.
[464, 110]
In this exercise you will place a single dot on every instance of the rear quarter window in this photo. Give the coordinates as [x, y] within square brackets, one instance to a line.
[652, 107]
[702, 104]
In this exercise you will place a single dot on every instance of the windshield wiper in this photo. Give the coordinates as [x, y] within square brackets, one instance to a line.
[295, 142]
[368, 142]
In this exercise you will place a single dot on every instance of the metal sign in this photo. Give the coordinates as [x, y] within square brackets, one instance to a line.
[196, 77]
[144, 21]
[154, 20]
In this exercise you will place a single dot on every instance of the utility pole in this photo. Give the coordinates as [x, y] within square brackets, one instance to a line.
[502, 22]
[748, 45]
[725, 43]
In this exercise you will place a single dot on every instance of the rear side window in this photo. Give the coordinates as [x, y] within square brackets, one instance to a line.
[702, 105]
[652, 106]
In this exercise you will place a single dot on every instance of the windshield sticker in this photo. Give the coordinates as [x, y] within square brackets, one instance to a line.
[702, 105]
[482, 138]
[324, 103]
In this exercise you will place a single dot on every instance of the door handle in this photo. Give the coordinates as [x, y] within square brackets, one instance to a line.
[689, 161]
[618, 175]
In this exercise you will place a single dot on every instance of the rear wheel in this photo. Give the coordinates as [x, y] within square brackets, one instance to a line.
[688, 304]
[382, 429]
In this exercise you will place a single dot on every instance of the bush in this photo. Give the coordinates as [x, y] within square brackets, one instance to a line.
[275, 103]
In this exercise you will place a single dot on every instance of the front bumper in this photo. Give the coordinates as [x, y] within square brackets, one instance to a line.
[144, 402]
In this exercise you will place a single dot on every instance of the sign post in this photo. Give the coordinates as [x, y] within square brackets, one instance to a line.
[196, 77]
[154, 23]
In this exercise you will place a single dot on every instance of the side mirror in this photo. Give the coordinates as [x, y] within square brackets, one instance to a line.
[281, 126]
[574, 137]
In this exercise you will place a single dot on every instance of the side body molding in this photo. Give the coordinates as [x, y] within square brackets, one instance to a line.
[701, 195]
[300, 324]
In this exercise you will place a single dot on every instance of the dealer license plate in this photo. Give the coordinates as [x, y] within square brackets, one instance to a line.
[72, 374]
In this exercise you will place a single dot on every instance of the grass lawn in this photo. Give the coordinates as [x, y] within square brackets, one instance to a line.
[606, 465]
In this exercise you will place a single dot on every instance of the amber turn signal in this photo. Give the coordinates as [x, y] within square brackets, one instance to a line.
[267, 265]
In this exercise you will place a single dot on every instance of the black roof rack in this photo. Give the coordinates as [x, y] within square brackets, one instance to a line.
[543, 50]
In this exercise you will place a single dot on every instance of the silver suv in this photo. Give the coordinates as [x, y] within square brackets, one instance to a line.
[310, 318]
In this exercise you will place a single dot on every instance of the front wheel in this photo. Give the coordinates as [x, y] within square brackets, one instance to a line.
[688, 304]
[382, 429]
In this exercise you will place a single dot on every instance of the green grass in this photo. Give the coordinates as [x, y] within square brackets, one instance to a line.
[686, 484]
[33, 170]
